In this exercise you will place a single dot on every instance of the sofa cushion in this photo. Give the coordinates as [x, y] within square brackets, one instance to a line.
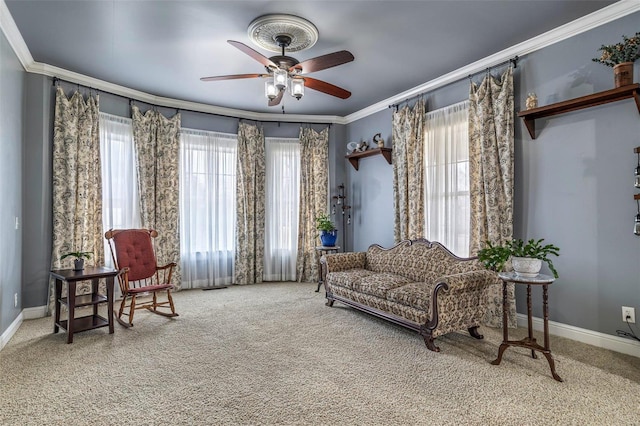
[347, 278]
[416, 295]
[365, 299]
[378, 284]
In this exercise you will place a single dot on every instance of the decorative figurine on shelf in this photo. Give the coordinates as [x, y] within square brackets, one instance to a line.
[352, 147]
[532, 101]
[363, 146]
[378, 140]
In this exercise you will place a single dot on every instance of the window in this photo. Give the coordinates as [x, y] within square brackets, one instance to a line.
[446, 155]
[120, 199]
[207, 207]
[282, 206]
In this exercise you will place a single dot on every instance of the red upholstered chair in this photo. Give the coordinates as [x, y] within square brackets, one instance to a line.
[133, 254]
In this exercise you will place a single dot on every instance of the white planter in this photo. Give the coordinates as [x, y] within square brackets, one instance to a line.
[526, 266]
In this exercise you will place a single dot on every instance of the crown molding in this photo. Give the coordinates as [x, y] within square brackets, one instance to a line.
[94, 83]
[580, 25]
[573, 28]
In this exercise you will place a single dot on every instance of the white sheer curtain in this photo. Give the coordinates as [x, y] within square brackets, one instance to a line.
[282, 203]
[207, 207]
[120, 198]
[446, 163]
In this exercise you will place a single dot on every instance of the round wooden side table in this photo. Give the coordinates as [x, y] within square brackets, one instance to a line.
[528, 342]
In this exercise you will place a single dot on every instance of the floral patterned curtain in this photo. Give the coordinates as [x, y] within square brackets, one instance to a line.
[408, 171]
[157, 144]
[250, 207]
[491, 116]
[314, 184]
[77, 188]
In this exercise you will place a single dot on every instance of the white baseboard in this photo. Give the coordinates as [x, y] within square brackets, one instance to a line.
[606, 341]
[27, 313]
[35, 312]
[8, 334]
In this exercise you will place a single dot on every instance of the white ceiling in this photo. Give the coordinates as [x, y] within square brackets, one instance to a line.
[163, 47]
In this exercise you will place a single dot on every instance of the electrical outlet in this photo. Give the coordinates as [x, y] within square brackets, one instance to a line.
[17, 223]
[629, 314]
[15, 300]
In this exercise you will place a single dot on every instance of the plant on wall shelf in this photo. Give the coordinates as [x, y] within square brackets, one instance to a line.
[626, 51]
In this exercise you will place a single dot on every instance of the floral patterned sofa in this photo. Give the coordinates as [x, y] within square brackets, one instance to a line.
[418, 284]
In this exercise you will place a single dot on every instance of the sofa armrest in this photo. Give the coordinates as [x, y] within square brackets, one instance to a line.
[469, 281]
[460, 300]
[343, 261]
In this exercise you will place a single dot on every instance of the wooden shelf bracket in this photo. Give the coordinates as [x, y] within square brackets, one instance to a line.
[626, 92]
[356, 156]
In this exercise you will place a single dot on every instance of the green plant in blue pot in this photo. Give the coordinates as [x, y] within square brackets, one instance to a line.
[328, 231]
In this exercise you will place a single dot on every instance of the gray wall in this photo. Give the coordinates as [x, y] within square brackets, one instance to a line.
[371, 186]
[11, 130]
[36, 187]
[573, 184]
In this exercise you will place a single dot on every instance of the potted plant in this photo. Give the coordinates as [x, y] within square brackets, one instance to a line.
[328, 231]
[79, 256]
[526, 258]
[621, 57]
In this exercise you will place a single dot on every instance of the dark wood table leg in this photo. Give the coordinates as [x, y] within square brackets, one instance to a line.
[318, 257]
[57, 295]
[110, 291]
[71, 304]
[530, 321]
[94, 292]
[547, 349]
[505, 329]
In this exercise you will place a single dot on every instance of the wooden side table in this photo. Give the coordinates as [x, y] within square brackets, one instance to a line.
[89, 322]
[321, 251]
[528, 342]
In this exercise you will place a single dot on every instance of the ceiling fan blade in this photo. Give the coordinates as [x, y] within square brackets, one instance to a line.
[232, 77]
[254, 54]
[275, 101]
[323, 86]
[323, 62]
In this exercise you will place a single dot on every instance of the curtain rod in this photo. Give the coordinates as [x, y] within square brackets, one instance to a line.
[513, 61]
[131, 101]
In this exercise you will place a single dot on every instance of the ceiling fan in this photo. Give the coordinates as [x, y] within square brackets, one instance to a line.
[283, 71]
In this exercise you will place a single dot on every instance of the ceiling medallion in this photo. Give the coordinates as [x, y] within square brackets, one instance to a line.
[264, 30]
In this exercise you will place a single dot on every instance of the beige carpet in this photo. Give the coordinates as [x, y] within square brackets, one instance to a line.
[275, 354]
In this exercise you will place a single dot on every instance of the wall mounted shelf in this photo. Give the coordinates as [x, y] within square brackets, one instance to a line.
[356, 156]
[626, 92]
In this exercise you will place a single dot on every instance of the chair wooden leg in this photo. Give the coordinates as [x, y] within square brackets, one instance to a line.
[173, 309]
[122, 305]
[132, 309]
[155, 301]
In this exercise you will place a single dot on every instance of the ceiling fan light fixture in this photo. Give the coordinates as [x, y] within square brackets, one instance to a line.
[280, 77]
[270, 90]
[297, 88]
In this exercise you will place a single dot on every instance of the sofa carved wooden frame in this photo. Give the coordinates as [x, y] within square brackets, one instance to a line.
[426, 329]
